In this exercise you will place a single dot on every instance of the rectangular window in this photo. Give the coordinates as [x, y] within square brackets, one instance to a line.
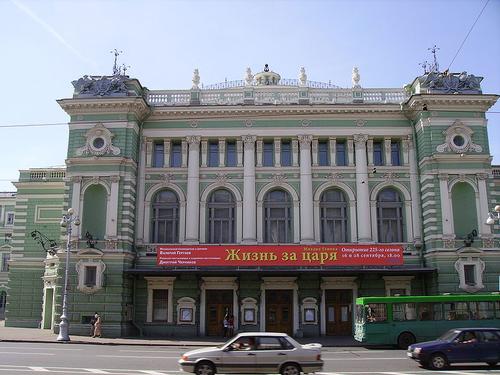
[231, 154]
[213, 154]
[470, 274]
[160, 303]
[90, 276]
[482, 310]
[456, 311]
[158, 156]
[268, 159]
[395, 157]
[340, 153]
[10, 218]
[176, 155]
[5, 262]
[425, 311]
[376, 312]
[404, 311]
[286, 153]
[378, 156]
[323, 153]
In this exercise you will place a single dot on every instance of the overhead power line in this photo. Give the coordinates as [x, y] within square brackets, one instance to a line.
[32, 125]
[472, 27]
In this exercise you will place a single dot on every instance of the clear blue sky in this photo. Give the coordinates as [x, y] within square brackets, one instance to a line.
[47, 44]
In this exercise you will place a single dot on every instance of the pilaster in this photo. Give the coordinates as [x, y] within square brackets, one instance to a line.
[363, 201]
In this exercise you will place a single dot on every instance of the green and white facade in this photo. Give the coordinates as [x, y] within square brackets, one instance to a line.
[263, 161]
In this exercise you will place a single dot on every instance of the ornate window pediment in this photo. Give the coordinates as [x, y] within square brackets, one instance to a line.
[98, 142]
[458, 138]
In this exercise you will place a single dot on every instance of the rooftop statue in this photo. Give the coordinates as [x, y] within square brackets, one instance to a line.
[355, 77]
[101, 85]
[446, 82]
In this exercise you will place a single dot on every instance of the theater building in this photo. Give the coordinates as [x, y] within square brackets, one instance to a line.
[277, 200]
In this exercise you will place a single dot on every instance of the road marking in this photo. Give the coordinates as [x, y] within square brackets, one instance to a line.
[365, 359]
[151, 372]
[38, 369]
[96, 371]
[135, 356]
[29, 348]
[28, 353]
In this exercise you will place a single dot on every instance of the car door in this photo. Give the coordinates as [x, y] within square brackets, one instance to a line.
[271, 353]
[462, 349]
[239, 358]
[489, 346]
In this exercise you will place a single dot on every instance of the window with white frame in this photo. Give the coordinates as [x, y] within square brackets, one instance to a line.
[4, 265]
[470, 272]
[165, 217]
[309, 311]
[333, 216]
[221, 217]
[90, 275]
[9, 218]
[390, 216]
[278, 217]
[160, 303]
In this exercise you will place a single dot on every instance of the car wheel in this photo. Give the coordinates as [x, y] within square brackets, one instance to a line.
[405, 340]
[290, 369]
[492, 363]
[204, 368]
[438, 362]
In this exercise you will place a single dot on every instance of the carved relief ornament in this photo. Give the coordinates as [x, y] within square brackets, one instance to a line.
[458, 139]
[98, 142]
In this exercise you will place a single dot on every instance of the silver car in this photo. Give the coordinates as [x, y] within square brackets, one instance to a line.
[255, 353]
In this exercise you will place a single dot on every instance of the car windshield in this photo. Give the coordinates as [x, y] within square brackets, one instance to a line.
[448, 336]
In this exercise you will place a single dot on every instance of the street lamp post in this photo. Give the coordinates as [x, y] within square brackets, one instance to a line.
[493, 216]
[66, 222]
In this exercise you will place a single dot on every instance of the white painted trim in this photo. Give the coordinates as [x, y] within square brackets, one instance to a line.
[160, 283]
[279, 283]
[332, 282]
[221, 283]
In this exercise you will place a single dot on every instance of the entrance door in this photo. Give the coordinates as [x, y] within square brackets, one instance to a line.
[218, 303]
[338, 312]
[279, 311]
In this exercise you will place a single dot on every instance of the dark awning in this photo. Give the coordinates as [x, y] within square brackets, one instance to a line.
[278, 271]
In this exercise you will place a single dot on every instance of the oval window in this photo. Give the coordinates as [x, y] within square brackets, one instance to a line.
[458, 140]
[98, 143]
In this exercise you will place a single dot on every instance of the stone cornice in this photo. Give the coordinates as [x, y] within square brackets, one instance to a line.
[207, 112]
[71, 162]
[136, 105]
[456, 158]
[448, 102]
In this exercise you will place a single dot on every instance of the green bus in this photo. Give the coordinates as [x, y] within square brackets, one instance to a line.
[405, 320]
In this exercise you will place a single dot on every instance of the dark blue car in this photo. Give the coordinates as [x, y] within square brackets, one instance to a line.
[460, 345]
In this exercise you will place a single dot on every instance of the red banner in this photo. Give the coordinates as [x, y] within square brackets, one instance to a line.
[278, 255]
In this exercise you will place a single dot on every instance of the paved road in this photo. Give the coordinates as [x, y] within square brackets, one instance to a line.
[33, 358]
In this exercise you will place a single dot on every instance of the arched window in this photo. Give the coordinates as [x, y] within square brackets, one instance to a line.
[463, 199]
[165, 219]
[389, 216]
[333, 216]
[278, 217]
[95, 202]
[221, 217]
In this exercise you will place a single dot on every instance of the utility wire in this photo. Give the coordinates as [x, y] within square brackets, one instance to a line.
[472, 27]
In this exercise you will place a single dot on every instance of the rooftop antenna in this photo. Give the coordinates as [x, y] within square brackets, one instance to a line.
[116, 69]
[435, 66]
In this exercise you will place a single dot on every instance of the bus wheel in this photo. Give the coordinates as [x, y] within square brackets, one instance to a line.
[405, 339]
[438, 362]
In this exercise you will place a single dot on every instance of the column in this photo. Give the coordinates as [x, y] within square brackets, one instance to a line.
[222, 152]
[277, 152]
[139, 202]
[446, 212]
[166, 153]
[75, 202]
[249, 202]
[333, 151]
[416, 215]
[484, 229]
[193, 190]
[387, 151]
[112, 217]
[363, 197]
[306, 196]
[315, 152]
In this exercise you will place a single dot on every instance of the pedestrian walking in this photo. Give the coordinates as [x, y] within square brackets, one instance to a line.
[97, 325]
[92, 326]
[230, 325]
[225, 324]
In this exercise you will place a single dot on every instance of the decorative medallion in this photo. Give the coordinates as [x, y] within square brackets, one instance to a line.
[149, 177]
[221, 178]
[306, 123]
[248, 123]
[334, 177]
[360, 122]
[193, 123]
[279, 178]
[390, 176]
[458, 139]
[168, 177]
[98, 142]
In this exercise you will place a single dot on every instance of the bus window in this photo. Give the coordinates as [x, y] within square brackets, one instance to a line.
[404, 311]
[456, 311]
[437, 311]
[425, 311]
[360, 314]
[497, 309]
[482, 310]
[376, 312]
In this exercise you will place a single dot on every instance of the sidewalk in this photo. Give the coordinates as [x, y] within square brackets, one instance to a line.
[9, 334]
